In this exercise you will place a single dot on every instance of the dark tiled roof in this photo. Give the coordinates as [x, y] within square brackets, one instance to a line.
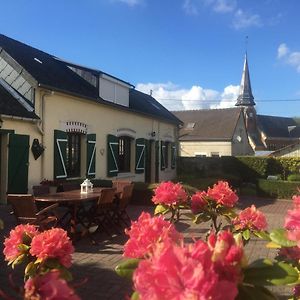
[295, 131]
[146, 104]
[210, 124]
[275, 127]
[10, 106]
[50, 72]
[54, 73]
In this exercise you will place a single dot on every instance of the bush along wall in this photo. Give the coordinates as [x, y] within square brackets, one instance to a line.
[277, 188]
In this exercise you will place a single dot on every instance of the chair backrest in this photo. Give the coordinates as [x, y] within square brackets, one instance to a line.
[39, 190]
[107, 196]
[126, 195]
[119, 184]
[23, 206]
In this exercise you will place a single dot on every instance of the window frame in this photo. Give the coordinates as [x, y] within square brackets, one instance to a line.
[124, 154]
[73, 154]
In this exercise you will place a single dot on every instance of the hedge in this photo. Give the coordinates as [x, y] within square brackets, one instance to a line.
[277, 188]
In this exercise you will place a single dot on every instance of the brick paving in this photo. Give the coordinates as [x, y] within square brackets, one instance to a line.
[96, 263]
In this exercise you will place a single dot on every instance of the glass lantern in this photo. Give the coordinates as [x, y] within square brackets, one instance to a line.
[86, 186]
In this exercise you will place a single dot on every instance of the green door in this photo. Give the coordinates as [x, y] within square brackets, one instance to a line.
[18, 156]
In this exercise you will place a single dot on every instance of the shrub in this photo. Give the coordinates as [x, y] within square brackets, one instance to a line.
[276, 189]
[294, 177]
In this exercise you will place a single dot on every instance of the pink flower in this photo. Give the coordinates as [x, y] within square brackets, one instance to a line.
[169, 193]
[198, 202]
[291, 253]
[292, 224]
[223, 194]
[178, 273]
[48, 287]
[296, 201]
[250, 218]
[53, 243]
[146, 233]
[228, 255]
[22, 234]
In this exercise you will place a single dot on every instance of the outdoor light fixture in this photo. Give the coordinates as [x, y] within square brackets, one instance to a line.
[86, 186]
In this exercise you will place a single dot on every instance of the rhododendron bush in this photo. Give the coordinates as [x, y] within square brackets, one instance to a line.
[46, 257]
[163, 266]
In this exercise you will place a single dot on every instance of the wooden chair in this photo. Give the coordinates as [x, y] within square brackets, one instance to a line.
[119, 185]
[120, 214]
[25, 211]
[99, 214]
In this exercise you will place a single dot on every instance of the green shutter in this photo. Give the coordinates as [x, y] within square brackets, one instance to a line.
[91, 156]
[140, 156]
[60, 154]
[18, 162]
[112, 155]
[162, 155]
[173, 155]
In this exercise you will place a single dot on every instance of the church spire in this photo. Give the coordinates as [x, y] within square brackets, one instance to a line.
[245, 97]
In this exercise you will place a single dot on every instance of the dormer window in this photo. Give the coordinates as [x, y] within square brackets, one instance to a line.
[190, 126]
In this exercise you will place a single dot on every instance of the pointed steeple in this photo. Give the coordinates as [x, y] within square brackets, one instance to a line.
[245, 97]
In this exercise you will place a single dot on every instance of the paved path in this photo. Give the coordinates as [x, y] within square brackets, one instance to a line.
[97, 263]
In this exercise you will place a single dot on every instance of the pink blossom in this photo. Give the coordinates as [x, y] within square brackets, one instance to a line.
[198, 202]
[53, 243]
[250, 218]
[169, 193]
[48, 287]
[296, 201]
[291, 253]
[223, 194]
[146, 232]
[228, 255]
[292, 224]
[296, 291]
[22, 234]
[179, 273]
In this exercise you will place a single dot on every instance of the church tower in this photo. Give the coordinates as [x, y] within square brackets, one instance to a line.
[246, 100]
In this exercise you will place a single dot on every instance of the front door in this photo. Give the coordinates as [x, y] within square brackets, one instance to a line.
[18, 156]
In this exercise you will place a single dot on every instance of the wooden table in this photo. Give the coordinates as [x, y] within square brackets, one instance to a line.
[72, 200]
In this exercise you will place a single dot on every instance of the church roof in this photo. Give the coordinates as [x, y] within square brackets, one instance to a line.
[278, 127]
[245, 97]
[208, 124]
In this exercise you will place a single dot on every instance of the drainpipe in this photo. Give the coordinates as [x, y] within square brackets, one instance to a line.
[41, 125]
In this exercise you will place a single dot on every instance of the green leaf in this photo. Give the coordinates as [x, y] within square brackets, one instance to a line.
[65, 274]
[250, 292]
[246, 234]
[161, 209]
[189, 215]
[20, 259]
[126, 268]
[265, 272]
[264, 235]
[23, 247]
[135, 296]
[226, 211]
[279, 236]
[30, 269]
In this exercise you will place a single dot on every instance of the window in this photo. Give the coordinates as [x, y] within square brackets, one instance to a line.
[73, 155]
[215, 154]
[124, 154]
[167, 154]
[190, 126]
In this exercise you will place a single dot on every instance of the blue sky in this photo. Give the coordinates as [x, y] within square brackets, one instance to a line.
[188, 52]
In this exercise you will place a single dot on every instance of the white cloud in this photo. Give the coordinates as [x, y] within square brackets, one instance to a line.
[224, 6]
[190, 7]
[288, 57]
[130, 2]
[173, 97]
[282, 50]
[243, 20]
